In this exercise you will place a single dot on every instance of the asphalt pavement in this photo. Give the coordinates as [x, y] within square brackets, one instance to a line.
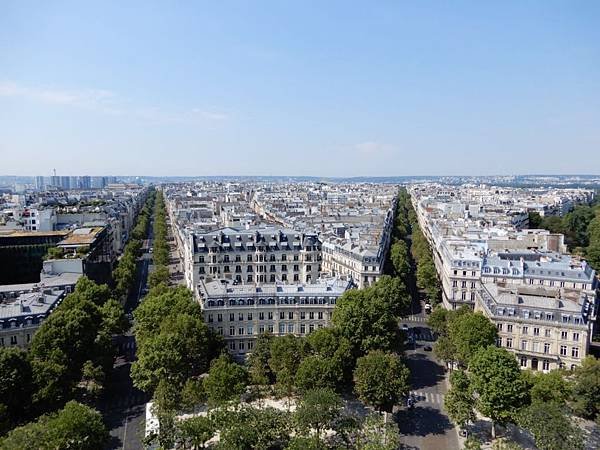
[425, 426]
[123, 405]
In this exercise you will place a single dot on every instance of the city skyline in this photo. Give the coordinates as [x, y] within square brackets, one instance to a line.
[318, 90]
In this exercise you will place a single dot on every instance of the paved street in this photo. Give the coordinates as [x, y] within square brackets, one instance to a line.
[124, 406]
[426, 426]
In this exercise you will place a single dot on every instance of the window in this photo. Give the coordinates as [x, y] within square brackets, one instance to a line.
[240, 330]
[249, 316]
[270, 315]
[311, 315]
[536, 331]
[545, 365]
[302, 329]
[311, 328]
[499, 326]
[249, 258]
[523, 361]
[220, 331]
[270, 328]
[219, 317]
[232, 345]
[524, 330]
[320, 315]
[508, 342]
[509, 328]
[290, 315]
[575, 352]
[548, 332]
[455, 283]
[241, 316]
[546, 348]
[232, 317]
[290, 327]
[261, 316]
[210, 318]
[241, 346]
[563, 335]
[534, 347]
[261, 329]
[231, 331]
[302, 315]
[250, 330]
[563, 350]
[281, 328]
[13, 340]
[523, 345]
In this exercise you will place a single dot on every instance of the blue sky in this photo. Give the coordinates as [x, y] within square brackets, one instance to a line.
[300, 88]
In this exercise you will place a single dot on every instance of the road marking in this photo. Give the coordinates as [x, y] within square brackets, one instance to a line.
[428, 397]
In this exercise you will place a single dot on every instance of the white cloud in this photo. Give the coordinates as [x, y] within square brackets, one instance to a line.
[105, 101]
[373, 148]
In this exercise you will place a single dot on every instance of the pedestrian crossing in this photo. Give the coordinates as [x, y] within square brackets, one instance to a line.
[415, 318]
[428, 397]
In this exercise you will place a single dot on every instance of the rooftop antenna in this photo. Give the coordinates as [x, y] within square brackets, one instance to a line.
[54, 172]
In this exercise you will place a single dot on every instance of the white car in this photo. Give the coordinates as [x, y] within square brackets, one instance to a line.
[404, 327]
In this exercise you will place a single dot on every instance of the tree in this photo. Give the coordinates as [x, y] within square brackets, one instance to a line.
[459, 400]
[496, 379]
[381, 379]
[318, 409]
[327, 343]
[226, 381]
[535, 220]
[249, 427]
[550, 427]
[469, 333]
[159, 275]
[549, 387]
[287, 353]
[258, 361]
[114, 320]
[182, 348]
[195, 432]
[367, 321]
[437, 320]
[400, 259]
[319, 372]
[586, 388]
[305, 443]
[76, 426]
[377, 434]
[15, 386]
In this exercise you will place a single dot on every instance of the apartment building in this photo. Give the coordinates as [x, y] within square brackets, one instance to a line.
[547, 328]
[522, 279]
[256, 255]
[242, 312]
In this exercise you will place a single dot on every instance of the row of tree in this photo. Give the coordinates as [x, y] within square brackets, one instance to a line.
[124, 275]
[160, 274]
[70, 355]
[408, 235]
[489, 380]
[581, 228]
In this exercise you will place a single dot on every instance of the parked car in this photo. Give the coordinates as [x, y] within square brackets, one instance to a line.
[427, 348]
[404, 327]
[428, 308]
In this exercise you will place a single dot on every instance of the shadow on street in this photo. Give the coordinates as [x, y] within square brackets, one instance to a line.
[422, 421]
